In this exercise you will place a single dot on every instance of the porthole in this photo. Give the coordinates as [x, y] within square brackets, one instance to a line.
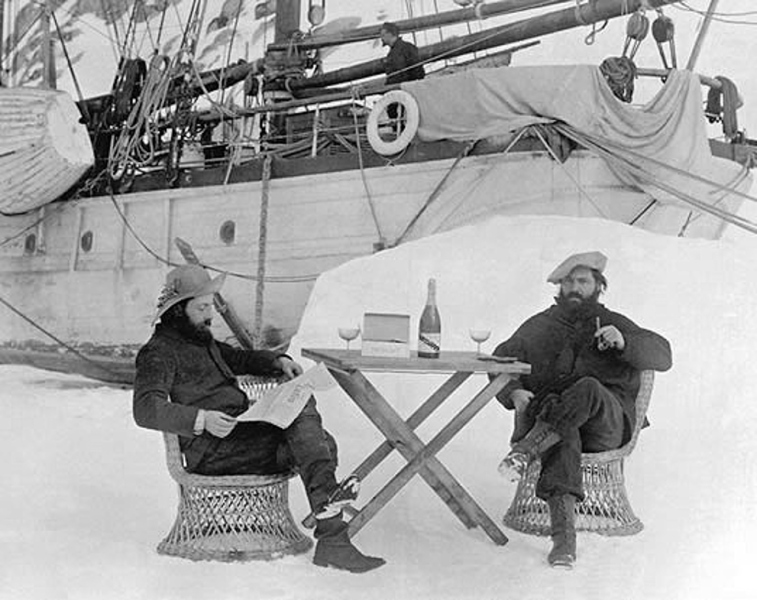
[228, 232]
[86, 241]
[30, 244]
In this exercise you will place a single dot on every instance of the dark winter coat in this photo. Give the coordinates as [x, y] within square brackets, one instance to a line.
[562, 349]
[401, 55]
[177, 376]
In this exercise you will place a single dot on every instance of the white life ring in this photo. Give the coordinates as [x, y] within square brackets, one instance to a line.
[411, 120]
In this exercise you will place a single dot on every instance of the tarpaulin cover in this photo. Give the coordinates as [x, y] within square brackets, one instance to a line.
[668, 131]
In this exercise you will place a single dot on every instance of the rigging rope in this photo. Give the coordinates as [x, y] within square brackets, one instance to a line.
[165, 261]
[228, 54]
[68, 347]
[619, 157]
[128, 151]
[561, 163]
[434, 193]
[377, 224]
[70, 65]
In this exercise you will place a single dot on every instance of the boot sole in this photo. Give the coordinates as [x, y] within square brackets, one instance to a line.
[325, 563]
[565, 564]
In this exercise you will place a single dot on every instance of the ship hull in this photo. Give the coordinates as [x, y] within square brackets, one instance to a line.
[89, 273]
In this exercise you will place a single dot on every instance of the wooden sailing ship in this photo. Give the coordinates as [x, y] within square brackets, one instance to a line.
[311, 177]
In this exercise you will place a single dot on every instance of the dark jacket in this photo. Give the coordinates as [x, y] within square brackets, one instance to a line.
[562, 349]
[177, 376]
[401, 55]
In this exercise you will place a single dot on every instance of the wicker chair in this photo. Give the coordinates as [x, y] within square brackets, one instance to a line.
[605, 509]
[231, 518]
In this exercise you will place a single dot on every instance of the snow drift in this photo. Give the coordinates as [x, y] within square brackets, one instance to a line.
[89, 497]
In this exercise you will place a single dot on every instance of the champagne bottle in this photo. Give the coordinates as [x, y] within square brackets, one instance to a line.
[430, 326]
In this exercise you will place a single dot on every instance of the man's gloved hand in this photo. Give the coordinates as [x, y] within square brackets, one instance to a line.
[290, 368]
[520, 399]
[609, 336]
[218, 423]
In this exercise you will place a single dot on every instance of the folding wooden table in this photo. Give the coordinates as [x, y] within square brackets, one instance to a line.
[348, 367]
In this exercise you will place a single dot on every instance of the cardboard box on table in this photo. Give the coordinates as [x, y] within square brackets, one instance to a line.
[386, 334]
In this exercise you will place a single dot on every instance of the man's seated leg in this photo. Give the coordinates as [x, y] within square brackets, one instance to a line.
[587, 417]
[531, 437]
[590, 407]
[313, 453]
[560, 484]
[540, 438]
[250, 449]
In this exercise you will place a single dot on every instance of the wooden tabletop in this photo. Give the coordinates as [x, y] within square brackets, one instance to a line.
[448, 362]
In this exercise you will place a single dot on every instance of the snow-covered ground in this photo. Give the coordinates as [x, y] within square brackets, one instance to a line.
[87, 496]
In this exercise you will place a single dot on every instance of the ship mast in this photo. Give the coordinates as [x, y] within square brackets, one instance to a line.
[2, 41]
[702, 34]
[48, 66]
[287, 21]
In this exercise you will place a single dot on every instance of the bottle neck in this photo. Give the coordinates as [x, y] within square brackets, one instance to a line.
[431, 298]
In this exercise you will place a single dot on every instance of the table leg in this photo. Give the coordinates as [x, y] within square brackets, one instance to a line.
[426, 454]
[421, 414]
[399, 434]
[396, 431]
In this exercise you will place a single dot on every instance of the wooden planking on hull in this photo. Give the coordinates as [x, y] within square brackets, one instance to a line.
[44, 149]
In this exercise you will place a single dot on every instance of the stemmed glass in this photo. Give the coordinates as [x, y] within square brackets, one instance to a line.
[479, 336]
[348, 334]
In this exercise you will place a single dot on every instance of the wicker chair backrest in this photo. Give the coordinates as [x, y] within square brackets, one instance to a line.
[643, 398]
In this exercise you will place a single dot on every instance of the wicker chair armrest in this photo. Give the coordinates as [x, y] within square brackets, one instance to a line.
[176, 468]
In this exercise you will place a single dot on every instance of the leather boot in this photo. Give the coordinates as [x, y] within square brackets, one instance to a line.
[334, 548]
[533, 445]
[522, 424]
[562, 517]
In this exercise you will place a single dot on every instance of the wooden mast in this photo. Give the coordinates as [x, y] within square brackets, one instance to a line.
[702, 34]
[2, 43]
[287, 20]
[48, 64]
[585, 14]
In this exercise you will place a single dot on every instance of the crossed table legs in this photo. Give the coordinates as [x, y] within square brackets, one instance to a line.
[421, 457]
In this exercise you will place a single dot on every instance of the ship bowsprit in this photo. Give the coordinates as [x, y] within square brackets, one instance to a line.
[44, 147]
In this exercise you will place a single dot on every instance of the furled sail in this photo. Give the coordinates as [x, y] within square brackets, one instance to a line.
[44, 148]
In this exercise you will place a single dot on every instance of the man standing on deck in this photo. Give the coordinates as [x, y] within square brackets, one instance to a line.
[185, 384]
[402, 62]
[580, 395]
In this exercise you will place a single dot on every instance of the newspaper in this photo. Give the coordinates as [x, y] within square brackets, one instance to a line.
[281, 405]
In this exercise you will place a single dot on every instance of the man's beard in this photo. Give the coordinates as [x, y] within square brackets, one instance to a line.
[197, 332]
[574, 309]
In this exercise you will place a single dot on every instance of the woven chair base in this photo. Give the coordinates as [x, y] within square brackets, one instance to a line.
[605, 509]
[238, 523]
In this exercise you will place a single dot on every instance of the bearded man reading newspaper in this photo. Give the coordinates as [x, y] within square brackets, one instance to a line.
[186, 384]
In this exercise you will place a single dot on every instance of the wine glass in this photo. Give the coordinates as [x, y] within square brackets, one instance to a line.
[348, 334]
[479, 336]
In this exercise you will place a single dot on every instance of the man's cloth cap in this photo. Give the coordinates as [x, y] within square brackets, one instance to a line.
[186, 281]
[391, 28]
[592, 260]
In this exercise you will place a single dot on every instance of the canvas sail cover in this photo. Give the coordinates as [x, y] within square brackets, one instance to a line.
[657, 147]
[44, 148]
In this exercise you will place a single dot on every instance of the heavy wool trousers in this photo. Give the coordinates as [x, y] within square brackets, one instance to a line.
[588, 418]
[257, 448]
